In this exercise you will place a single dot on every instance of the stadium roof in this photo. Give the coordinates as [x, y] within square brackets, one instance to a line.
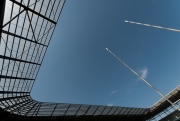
[26, 30]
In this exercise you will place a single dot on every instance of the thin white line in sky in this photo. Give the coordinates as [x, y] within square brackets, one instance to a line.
[159, 27]
[143, 79]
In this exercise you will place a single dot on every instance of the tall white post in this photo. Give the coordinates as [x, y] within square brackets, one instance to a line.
[143, 80]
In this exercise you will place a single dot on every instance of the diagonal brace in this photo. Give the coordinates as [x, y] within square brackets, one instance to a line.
[26, 8]
[31, 26]
[13, 18]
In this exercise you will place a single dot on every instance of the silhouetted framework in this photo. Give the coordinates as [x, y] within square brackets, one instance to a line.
[26, 30]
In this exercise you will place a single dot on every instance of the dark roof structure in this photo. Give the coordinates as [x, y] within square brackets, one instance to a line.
[26, 30]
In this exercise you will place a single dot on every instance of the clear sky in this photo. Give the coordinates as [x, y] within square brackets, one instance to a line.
[78, 69]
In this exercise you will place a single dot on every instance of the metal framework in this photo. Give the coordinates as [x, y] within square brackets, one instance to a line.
[26, 30]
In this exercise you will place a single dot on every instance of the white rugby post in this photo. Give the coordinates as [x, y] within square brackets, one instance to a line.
[143, 79]
[154, 26]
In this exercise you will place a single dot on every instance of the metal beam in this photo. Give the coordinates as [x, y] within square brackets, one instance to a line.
[85, 113]
[15, 35]
[7, 92]
[26, 8]
[12, 19]
[9, 98]
[38, 109]
[10, 77]
[2, 9]
[54, 109]
[67, 110]
[14, 59]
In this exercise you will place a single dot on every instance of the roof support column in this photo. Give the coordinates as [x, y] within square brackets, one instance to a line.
[2, 9]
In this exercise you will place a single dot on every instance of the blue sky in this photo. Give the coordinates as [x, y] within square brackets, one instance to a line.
[78, 69]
